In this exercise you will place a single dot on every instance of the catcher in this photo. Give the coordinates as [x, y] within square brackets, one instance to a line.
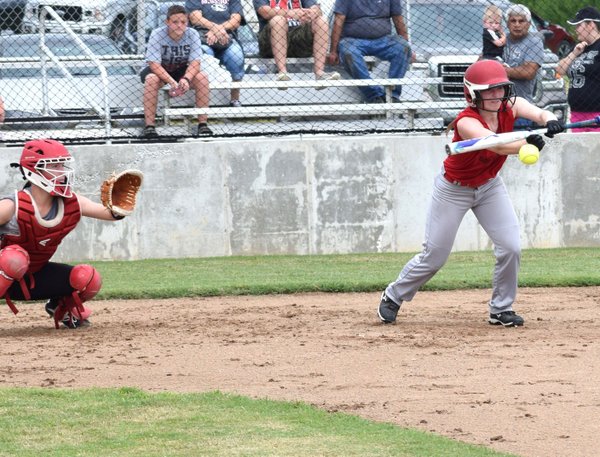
[34, 221]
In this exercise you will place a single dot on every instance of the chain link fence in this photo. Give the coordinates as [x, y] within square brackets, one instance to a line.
[69, 69]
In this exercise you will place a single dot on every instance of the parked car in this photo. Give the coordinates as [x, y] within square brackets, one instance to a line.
[28, 93]
[106, 17]
[559, 41]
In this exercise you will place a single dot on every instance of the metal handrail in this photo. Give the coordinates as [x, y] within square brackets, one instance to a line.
[105, 113]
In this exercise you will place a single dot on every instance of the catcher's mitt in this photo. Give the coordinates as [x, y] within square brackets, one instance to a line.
[119, 191]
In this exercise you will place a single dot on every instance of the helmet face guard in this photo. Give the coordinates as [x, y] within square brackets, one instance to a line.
[55, 176]
[48, 165]
[476, 98]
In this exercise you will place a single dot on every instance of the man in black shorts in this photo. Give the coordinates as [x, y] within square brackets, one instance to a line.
[293, 28]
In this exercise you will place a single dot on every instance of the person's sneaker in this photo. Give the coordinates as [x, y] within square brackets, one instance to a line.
[388, 309]
[506, 318]
[334, 76]
[149, 132]
[282, 76]
[68, 321]
[235, 103]
[51, 306]
[203, 130]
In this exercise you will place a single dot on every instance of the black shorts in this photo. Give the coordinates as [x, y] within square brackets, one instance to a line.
[176, 74]
[300, 41]
[52, 281]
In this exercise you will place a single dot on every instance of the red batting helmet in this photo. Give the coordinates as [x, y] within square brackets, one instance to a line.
[483, 75]
[45, 163]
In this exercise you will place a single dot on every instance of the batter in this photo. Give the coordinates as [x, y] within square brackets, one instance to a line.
[470, 181]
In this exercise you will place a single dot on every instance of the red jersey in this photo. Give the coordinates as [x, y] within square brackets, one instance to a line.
[472, 169]
[39, 237]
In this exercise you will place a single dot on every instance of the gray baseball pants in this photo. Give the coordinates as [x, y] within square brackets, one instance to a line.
[493, 209]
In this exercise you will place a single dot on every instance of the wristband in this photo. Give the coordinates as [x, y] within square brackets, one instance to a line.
[117, 217]
[187, 79]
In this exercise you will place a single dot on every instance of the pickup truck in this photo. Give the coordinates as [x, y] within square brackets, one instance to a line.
[106, 17]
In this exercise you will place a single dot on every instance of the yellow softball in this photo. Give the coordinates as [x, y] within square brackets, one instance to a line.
[529, 154]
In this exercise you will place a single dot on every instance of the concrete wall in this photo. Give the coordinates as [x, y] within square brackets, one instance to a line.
[314, 195]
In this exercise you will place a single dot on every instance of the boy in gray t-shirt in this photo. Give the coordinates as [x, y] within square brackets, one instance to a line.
[173, 55]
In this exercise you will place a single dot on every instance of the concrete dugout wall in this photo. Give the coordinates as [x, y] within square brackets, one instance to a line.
[314, 195]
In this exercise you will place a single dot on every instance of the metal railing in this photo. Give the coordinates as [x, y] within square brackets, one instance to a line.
[103, 112]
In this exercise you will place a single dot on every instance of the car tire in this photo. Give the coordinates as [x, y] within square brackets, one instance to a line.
[563, 49]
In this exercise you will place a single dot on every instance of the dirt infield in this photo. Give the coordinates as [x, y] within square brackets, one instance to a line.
[532, 390]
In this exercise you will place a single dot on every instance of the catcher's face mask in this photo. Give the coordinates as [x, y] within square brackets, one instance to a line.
[55, 176]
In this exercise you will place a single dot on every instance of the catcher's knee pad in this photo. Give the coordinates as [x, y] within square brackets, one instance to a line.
[86, 281]
[14, 263]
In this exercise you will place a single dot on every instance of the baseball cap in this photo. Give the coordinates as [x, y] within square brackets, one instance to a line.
[588, 13]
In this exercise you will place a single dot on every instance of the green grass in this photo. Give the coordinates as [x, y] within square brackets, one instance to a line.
[170, 278]
[129, 422]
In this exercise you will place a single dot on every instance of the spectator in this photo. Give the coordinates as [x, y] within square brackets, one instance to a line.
[523, 55]
[2, 112]
[363, 28]
[293, 28]
[217, 22]
[173, 56]
[494, 38]
[583, 67]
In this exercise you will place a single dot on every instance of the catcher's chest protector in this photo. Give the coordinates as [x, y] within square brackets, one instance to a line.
[39, 237]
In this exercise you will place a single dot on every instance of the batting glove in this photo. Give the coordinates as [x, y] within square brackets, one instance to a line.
[554, 127]
[536, 140]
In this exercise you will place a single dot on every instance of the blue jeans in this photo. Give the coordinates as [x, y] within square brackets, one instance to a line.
[392, 48]
[232, 58]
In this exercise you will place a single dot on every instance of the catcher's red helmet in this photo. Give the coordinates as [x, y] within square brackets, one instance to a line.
[483, 75]
[45, 163]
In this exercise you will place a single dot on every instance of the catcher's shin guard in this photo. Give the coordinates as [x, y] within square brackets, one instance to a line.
[87, 282]
[14, 263]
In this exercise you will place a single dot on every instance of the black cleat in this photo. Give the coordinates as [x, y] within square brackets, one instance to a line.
[506, 318]
[203, 130]
[149, 132]
[68, 320]
[388, 309]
